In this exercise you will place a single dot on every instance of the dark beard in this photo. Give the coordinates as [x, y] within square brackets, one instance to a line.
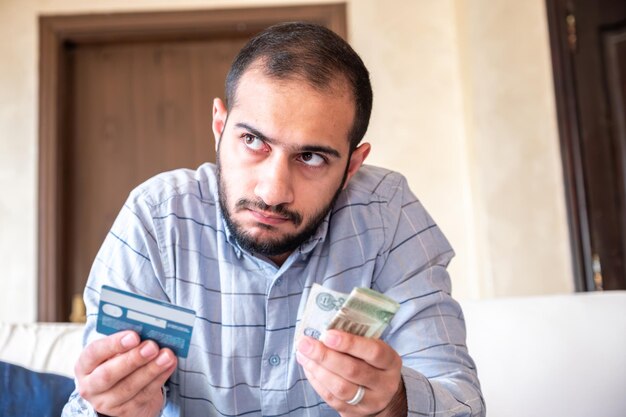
[276, 246]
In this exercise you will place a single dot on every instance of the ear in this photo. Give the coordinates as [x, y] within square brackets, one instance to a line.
[356, 160]
[219, 119]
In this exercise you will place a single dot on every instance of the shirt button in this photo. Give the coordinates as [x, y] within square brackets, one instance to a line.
[274, 360]
[279, 282]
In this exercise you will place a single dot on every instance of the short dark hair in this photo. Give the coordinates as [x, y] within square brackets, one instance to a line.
[314, 53]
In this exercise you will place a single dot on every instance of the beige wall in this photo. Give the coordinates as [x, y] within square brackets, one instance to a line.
[463, 107]
[512, 147]
[418, 123]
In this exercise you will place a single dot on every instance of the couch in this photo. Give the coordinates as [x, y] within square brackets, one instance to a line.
[552, 356]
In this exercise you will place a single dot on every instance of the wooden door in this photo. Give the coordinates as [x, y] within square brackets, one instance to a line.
[136, 109]
[125, 97]
[589, 56]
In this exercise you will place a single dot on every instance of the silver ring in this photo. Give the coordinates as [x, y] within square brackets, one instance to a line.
[360, 393]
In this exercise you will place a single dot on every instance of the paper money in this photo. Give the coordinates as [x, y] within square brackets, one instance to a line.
[321, 307]
[364, 312]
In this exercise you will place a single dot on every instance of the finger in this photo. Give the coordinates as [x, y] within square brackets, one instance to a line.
[148, 401]
[156, 371]
[336, 385]
[352, 369]
[138, 390]
[153, 394]
[119, 367]
[103, 349]
[373, 351]
[369, 405]
[154, 386]
[323, 391]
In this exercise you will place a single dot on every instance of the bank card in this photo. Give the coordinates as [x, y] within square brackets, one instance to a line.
[167, 324]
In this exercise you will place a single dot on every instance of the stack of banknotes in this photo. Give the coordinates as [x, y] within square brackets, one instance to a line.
[363, 312]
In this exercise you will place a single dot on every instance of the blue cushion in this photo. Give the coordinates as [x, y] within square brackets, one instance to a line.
[26, 393]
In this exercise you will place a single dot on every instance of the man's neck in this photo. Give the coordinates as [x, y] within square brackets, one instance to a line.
[279, 260]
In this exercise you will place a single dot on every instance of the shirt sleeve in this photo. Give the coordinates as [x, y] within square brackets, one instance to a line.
[129, 259]
[428, 331]
[78, 406]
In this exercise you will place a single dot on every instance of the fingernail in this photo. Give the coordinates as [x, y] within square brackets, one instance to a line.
[164, 360]
[129, 340]
[148, 350]
[305, 346]
[330, 339]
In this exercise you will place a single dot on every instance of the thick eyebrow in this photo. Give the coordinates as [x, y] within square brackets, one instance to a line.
[306, 148]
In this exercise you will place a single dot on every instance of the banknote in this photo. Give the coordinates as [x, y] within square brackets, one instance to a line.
[321, 307]
[363, 312]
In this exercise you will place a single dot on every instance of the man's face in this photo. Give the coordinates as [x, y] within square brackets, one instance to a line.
[283, 156]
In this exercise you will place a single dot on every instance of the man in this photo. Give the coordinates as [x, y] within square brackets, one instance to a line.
[288, 204]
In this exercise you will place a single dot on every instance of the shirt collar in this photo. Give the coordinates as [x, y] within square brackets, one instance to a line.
[230, 238]
[318, 237]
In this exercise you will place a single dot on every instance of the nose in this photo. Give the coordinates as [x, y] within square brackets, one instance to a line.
[274, 185]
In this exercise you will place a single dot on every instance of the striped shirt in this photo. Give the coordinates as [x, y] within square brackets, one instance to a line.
[170, 242]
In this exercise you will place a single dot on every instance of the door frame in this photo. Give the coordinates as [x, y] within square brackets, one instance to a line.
[570, 143]
[593, 155]
[57, 34]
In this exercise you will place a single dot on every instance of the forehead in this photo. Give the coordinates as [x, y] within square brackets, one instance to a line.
[292, 108]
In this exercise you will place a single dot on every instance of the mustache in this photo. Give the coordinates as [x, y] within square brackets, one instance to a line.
[279, 210]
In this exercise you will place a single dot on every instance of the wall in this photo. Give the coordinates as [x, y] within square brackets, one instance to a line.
[463, 107]
[417, 125]
[513, 147]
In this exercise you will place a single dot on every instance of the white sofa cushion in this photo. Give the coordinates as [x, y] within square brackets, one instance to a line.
[551, 356]
[43, 347]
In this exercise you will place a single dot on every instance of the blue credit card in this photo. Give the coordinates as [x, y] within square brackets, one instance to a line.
[167, 324]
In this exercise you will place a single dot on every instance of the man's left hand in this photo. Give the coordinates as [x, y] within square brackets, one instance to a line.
[342, 362]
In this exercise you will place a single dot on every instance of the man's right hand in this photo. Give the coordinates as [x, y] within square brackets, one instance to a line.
[122, 377]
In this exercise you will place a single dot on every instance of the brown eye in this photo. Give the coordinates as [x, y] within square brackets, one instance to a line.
[312, 159]
[253, 142]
